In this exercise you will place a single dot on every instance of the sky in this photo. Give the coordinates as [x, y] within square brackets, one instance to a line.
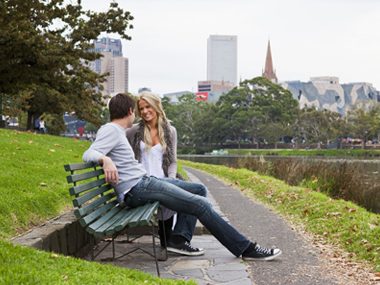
[168, 50]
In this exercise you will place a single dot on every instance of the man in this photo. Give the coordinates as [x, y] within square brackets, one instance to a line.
[134, 188]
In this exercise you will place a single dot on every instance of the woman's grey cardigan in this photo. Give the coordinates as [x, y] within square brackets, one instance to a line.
[135, 134]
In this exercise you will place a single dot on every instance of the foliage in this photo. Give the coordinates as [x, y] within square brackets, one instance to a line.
[363, 123]
[46, 47]
[340, 222]
[316, 126]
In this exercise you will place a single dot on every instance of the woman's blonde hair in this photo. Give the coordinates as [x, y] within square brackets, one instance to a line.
[155, 102]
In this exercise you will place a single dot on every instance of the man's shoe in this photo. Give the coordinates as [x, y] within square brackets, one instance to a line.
[185, 248]
[256, 252]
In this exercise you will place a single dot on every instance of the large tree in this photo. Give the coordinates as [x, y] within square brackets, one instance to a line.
[318, 126]
[364, 123]
[258, 109]
[45, 48]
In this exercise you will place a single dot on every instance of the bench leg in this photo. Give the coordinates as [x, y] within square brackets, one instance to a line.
[154, 249]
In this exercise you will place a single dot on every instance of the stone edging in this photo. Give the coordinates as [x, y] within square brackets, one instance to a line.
[62, 235]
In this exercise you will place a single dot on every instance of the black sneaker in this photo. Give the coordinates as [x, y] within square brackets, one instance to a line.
[256, 252]
[185, 248]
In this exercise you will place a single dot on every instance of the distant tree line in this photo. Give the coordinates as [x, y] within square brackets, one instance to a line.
[260, 112]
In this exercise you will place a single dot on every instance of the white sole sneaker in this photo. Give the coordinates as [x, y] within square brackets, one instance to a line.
[277, 252]
[184, 252]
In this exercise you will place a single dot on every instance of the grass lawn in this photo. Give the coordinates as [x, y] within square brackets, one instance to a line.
[358, 153]
[33, 189]
[339, 222]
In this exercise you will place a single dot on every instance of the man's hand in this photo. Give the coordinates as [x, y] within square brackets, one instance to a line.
[110, 170]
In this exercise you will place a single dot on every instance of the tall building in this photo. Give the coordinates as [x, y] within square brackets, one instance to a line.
[108, 44]
[269, 72]
[222, 58]
[114, 63]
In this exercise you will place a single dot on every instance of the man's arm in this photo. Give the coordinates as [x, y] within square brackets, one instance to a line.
[105, 141]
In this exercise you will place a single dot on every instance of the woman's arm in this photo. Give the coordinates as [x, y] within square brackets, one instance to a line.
[172, 169]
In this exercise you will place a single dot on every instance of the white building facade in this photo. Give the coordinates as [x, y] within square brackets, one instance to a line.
[222, 58]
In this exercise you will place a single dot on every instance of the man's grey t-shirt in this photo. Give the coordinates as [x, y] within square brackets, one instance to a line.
[111, 141]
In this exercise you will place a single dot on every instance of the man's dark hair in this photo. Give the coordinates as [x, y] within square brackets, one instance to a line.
[120, 105]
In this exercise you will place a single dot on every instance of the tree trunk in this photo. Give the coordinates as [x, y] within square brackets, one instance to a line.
[363, 143]
[30, 120]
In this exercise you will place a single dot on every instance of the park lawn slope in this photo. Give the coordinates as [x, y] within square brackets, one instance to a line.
[339, 222]
[33, 189]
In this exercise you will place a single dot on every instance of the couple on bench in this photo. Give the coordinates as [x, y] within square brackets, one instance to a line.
[140, 162]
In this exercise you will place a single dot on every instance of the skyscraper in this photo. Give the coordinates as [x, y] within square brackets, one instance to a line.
[108, 44]
[114, 63]
[222, 58]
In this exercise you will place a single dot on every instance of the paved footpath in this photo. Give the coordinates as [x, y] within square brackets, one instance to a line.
[298, 264]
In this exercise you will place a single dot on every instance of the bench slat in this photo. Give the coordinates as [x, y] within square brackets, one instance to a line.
[146, 217]
[79, 166]
[80, 212]
[83, 176]
[109, 228]
[97, 213]
[129, 214]
[75, 190]
[148, 212]
[79, 201]
[104, 219]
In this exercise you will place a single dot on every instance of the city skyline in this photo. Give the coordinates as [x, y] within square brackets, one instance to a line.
[168, 51]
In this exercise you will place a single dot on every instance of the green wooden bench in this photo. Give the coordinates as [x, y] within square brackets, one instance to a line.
[101, 215]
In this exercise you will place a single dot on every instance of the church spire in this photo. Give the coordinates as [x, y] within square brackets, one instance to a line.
[269, 73]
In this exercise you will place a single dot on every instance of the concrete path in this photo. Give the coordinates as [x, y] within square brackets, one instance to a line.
[299, 264]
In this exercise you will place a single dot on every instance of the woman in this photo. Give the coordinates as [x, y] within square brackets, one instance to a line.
[154, 142]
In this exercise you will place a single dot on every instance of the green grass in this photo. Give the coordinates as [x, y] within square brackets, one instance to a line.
[33, 186]
[309, 152]
[339, 222]
[21, 265]
[33, 189]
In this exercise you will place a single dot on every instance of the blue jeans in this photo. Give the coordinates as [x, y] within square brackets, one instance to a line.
[185, 225]
[178, 195]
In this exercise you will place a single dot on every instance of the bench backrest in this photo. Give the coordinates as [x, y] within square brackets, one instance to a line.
[93, 197]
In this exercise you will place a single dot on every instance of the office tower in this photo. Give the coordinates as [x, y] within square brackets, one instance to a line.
[269, 72]
[110, 45]
[222, 58]
[114, 63]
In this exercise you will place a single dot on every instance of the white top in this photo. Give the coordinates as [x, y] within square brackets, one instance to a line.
[152, 160]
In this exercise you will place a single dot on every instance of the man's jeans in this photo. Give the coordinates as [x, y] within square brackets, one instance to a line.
[178, 196]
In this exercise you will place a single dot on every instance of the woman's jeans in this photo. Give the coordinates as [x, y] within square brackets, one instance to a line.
[179, 196]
